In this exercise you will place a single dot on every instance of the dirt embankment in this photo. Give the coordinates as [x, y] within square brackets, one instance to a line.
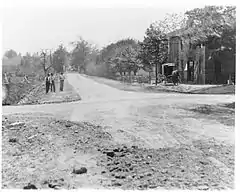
[17, 89]
[44, 152]
[36, 94]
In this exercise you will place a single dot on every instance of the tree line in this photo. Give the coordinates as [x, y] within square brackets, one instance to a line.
[213, 26]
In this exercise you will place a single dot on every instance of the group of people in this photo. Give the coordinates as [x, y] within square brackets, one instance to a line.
[50, 82]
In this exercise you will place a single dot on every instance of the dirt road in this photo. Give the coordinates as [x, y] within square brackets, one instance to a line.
[147, 120]
[150, 119]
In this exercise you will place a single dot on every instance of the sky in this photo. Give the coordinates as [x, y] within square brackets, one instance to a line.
[32, 28]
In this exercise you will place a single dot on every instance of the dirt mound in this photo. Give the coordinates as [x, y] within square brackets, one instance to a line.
[41, 152]
[167, 168]
[32, 150]
[38, 96]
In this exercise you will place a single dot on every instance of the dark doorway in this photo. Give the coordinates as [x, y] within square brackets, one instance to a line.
[168, 70]
[190, 70]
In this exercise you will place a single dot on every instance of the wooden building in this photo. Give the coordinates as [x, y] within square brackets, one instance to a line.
[195, 63]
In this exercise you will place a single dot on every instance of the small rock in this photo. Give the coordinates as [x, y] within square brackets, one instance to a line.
[134, 147]
[116, 184]
[110, 154]
[111, 170]
[145, 186]
[204, 162]
[116, 150]
[68, 125]
[80, 171]
[165, 179]
[164, 171]
[13, 140]
[76, 131]
[149, 174]
[152, 186]
[30, 186]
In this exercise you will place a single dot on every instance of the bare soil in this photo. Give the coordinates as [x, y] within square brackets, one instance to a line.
[120, 139]
[44, 152]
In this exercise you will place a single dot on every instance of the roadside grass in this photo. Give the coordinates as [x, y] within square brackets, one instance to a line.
[181, 88]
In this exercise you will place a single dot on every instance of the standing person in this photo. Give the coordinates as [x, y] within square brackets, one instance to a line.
[47, 79]
[52, 82]
[175, 77]
[61, 78]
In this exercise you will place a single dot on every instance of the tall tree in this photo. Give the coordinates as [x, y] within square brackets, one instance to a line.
[214, 26]
[121, 57]
[59, 59]
[154, 48]
[80, 54]
[46, 60]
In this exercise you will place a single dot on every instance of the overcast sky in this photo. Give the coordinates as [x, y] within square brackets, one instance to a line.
[29, 29]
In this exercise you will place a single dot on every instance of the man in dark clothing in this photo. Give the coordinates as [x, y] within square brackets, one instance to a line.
[47, 79]
[61, 78]
[175, 77]
[52, 82]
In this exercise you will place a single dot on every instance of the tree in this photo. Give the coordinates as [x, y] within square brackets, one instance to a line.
[212, 25]
[154, 48]
[129, 58]
[215, 27]
[10, 54]
[121, 57]
[46, 60]
[59, 59]
[80, 54]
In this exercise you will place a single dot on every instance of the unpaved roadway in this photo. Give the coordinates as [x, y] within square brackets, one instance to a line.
[152, 121]
[149, 119]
